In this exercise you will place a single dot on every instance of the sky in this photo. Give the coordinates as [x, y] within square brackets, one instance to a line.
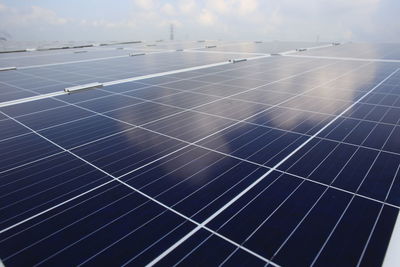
[285, 20]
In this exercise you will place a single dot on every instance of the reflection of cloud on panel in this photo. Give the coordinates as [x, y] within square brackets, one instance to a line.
[308, 110]
[312, 107]
[316, 100]
[182, 166]
[186, 126]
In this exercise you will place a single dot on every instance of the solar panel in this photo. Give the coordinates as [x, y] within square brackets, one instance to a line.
[223, 155]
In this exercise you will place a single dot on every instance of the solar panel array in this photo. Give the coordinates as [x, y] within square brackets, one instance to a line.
[282, 160]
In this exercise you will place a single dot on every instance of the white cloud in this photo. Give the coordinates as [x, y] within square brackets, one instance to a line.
[220, 6]
[230, 19]
[206, 18]
[38, 13]
[30, 16]
[168, 9]
[187, 6]
[109, 24]
[145, 4]
[246, 7]
[233, 7]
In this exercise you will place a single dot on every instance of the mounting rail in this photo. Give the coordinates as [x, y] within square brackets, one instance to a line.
[8, 68]
[78, 88]
[136, 54]
[238, 60]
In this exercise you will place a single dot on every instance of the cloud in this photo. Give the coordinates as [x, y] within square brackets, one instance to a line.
[233, 7]
[38, 23]
[206, 18]
[168, 9]
[340, 20]
[109, 24]
[145, 4]
[247, 6]
[30, 16]
[42, 14]
[187, 6]
[220, 6]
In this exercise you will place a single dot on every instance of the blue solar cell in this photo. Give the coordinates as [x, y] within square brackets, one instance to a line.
[152, 92]
[357, 222]
[124, 152]
[11, 129]
[84, 130]
[109, 103]
[391, 116]
[218, 90]
[24, 149]
[184, 84]
[375, 252]
[282, 159]
[82, 96]
[15, 95]
[263, 96]
[31, 107]
[194, 181]
[300, 121]
[186, 100]
[79, 229]
[233, 109]
[351, 176]
[380, 177]
[36, 187]
[241, 257]
[393, 142]
[208, 250]
[304, 244]
[190, 126]
[202, 248]
[359, 133]
[330, 167]
[125, 87]
[53, 117]
[378, 136]
[143, 113]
